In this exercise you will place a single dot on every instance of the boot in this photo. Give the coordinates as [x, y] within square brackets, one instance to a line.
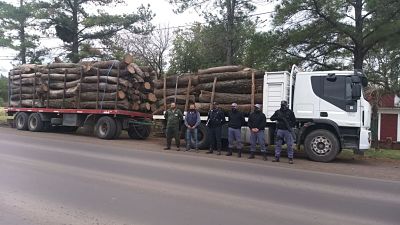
[239, 153]
[210, 151]
[251, 156]
[265, 156]
[167, 148]
[276, 159]
[290, 160]
[229, 153]
[178, 148]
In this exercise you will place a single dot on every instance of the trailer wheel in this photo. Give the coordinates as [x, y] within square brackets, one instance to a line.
[118, 130]
[202, 137]
[321, 146]
[105, 128]
[139, 132]
[21, 121]
[35, 123]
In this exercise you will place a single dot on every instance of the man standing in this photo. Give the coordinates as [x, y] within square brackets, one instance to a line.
[173, 116]
[257, 123]
[285, 122]
[236, 120]
[192, 121]
[215, 120]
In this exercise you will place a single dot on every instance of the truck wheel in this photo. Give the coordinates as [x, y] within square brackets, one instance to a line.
[35, 123]
[21, 121]
[105, 128]
[321, 146]
[202, 136]
[118, 129]
[139, 132]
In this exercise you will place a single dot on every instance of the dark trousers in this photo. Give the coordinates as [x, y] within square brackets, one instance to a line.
[283, 135]
[173, 132]
[215, 138]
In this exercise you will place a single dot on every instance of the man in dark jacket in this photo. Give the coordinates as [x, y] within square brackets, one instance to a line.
[236, 120]
[215, 120]
[173, 116]
[192, 121]
[285, 122]
[257, 123]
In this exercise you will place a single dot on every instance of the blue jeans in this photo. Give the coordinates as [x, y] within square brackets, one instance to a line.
[280, 136]
[191, 133]
[257, 137]
[234, 135]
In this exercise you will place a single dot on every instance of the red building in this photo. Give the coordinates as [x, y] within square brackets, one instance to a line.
[389, 121]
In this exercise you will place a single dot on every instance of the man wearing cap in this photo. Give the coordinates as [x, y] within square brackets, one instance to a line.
[236, 120]
[173, 116]
[215, 120]
[257, 123]
[285, 122]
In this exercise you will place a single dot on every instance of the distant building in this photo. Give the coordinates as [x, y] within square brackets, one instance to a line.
[389, 121]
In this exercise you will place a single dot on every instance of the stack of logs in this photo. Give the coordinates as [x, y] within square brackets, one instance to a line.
[86, 85]
[225, 85]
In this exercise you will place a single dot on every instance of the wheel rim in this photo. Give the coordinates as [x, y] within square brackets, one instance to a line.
[33, 122]
[20, 121]
[321, 145]
[103, 129]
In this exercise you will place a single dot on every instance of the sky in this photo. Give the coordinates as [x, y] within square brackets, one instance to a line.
[164, 17]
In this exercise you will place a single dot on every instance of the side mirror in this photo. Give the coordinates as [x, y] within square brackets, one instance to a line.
[356, 92]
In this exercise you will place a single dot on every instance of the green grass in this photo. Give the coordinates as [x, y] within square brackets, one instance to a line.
[376, 154]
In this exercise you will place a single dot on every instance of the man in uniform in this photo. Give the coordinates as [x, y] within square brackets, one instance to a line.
[215, 120]
[192, 121]
[257, 123]
[236, 120]
[285, 122]
[173, 116]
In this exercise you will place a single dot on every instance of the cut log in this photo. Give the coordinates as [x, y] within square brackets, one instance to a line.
[123, 104]
[180, 100]
[63, 65]
[227, 76]
[88, 87]
[128, 59]
[92, 96]
[220, 69]
[203, 108]
[145, 107]
[28, 90]
[55, 85]
[105, 79]
[60, 77]
[109, 64]
[69, 103]
[57, 94]
[183, 81]
[25, 81]
[16, 97]
[26, 103]
[234, 86]
[171, 91]
[107, 72]
[27, 75]
[229, 98]
[62, 70]
[151, 97]
[133, 68]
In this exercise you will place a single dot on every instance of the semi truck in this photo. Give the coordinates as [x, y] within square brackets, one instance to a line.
[331, 111]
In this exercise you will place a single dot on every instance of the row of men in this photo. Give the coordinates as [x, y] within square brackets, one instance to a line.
[216, 118]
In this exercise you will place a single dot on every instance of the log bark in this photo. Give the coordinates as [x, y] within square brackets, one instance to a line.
[180, 100]
[123, 104]
[16, 97]
[88, 87]
[63, 65]
[26, 103]
[67, 103]
[220, 69]
[145, 107]
[60, 77]
[57, 94]
[62, 70]
[183, 81]
[27, 75]
[55, 85]
[229, 98]
[25, 81]
[105, 79]
[133, 68]
[203, 108]
[234, 86]
[92, 96]
[128, 59]
[151, 97]
[28, 90]
[171, 91]
[109, 64]
[227, 76]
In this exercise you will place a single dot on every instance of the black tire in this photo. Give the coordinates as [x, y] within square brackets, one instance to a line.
[35, 123]
[105, 128]
[118, 130]
[203, 139]
[139, 132]
[21, 121]
[321, 146]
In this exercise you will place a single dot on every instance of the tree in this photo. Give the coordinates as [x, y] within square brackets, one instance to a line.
[75, 26]
[16, 25]
[228, 13]
[3, 89]
[328, 32]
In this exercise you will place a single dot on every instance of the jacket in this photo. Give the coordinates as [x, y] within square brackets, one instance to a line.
[236, 119]
[257, 120]
[282, 114]
[216, 118]
[192, 119]
[173, 117]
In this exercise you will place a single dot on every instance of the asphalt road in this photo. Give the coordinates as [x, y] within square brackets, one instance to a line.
[67, 179]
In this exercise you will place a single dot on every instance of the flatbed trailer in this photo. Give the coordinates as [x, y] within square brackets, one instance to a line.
[107, 124]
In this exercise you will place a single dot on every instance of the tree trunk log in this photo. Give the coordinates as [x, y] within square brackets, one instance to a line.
[57, 94]
[228, 76]
[27, 75]
[25, 81]
[92, 96]
[89, 87]
[60, 84]
[203, 108]
[123, 104]
[171, 91]
[60, 77]
[128, 59]
[114, 80]
[229, 98]
[16, 97]
[234, 86]
[220, 69]
[133, 68]
[183, 81]
[28, 90]
[63, 65]
[26, 103]
[68, 103]
[109, 64]
[180, 99]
